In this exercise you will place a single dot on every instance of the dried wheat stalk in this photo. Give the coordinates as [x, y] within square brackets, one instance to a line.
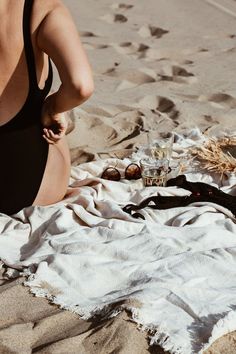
[214, 158]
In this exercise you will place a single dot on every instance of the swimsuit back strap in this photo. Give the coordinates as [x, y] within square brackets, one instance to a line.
[48, 82]
[29, 52]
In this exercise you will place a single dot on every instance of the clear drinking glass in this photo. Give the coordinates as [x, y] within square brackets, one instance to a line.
[160, 144]
[154, 172]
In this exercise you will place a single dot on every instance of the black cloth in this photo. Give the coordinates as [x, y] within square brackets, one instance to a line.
[200, 192]
[23, 150]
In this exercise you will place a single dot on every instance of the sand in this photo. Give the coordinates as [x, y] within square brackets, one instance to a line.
[163, 64]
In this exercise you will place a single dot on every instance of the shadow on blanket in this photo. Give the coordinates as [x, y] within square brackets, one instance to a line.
[201, 192]
[202, 328]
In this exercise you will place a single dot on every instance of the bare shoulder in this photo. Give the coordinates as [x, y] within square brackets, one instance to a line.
[43, 8]
[49, 5]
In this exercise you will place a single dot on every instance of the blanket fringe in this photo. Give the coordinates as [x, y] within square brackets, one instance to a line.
[166, 343]
[40, 292]
[158, 335]
[103, 311]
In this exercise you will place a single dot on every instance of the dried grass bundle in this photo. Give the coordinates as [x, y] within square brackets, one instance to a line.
[218, 155]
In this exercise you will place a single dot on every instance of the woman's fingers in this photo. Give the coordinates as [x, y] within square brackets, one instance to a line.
[51, 137]
[48, 140]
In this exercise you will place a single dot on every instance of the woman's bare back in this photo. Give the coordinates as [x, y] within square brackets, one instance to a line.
[14, 87]
[14, 83]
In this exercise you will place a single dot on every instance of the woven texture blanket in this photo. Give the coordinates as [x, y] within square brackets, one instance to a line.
[85, 254]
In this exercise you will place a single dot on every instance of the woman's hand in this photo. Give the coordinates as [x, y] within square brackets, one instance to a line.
[55, 125]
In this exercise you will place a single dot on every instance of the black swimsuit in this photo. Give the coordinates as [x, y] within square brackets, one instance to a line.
[23, 150]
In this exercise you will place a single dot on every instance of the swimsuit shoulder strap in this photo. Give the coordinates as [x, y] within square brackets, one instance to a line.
[29, 52]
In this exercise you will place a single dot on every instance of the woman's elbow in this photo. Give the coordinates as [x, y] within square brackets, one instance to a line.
[82, 90]
[87, 91]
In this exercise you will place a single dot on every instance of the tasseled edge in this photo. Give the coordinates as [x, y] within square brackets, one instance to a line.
[157, 334]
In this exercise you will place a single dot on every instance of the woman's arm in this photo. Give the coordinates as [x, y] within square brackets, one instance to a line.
[58, 37]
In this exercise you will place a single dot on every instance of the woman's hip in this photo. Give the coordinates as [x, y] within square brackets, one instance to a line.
[56, 174]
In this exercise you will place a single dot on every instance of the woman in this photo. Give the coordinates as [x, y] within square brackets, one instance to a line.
[34, 157]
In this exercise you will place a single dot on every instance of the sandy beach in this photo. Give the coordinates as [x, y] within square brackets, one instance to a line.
[163, 65]
[166, 66]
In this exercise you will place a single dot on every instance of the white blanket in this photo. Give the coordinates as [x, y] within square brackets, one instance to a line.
[85, 254]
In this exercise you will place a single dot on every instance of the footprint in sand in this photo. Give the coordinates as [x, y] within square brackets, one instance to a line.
[87, 34]
[79, 156]
[120, 129]
[137, 80]
[108, 126]
[210, 119]
[151, 31]
[143, 51]
[116, 18]
[126, 47]
[158, 104]
[203, 50]
[187, 62]
[133, 49]
[176, 74]
[131, 78]
[219, 100]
